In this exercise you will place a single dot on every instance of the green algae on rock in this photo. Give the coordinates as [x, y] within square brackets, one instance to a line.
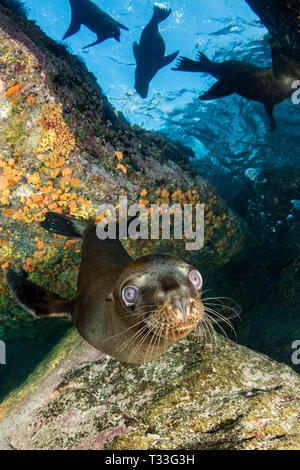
[225, 397]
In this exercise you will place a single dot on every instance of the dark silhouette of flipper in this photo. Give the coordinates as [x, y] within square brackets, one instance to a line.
[220, 89]
[36, 300]
[160, 14]
[169, 58]
[63, 225]
[202, 64]
[74, 26]
[122, 26]
[270, 109]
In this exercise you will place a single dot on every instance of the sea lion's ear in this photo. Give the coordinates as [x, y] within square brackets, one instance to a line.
[110, 298]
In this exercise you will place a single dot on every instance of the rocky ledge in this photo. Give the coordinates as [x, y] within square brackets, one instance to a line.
[221, 396]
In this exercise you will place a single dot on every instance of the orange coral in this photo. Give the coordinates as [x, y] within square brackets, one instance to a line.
[56, 142]
[122, 167]
[119, 156]
[14, 89]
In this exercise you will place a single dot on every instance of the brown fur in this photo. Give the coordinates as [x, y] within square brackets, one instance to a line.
[138, 334]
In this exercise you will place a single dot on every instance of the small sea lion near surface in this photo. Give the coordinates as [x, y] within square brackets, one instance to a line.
[87, 13]
[269, 85]
[150, 52]
[132, 310]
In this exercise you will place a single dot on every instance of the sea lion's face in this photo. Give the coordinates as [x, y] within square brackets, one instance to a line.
[162, 294]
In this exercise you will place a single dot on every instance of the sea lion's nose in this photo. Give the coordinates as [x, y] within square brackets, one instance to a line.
[182, 306]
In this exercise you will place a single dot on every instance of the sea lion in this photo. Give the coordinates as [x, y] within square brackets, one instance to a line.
[150, 53]
[87, 13]
[269, 85]
[132, 310]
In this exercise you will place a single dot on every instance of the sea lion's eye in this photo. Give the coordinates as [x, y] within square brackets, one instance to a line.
[196, 279]
[130, 295]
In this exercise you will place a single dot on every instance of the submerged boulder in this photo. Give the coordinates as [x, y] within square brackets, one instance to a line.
[64, 148]
[282, 18]
[220, 397]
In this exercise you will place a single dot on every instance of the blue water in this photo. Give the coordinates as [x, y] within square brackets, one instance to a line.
[229, 135]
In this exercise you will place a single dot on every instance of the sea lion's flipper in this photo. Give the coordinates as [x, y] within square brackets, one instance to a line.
[160, 14]
[220, 89]
[202, 64]
[63, 225]
[98, 41]
[74, 26]
[269, 109]
[36, 300]
[135, 48]
[169, 58]
[122, 26]
[184, 64]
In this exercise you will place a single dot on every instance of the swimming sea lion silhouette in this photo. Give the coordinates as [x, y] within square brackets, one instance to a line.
[87, 13]
[150, 53]
[269, 85]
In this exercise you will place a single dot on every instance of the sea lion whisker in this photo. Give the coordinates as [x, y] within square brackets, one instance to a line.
[139, 333]
[157, 339]
[142, 340]
[203, 335]
[131, 339]
[136, 335]
[144, 335]
[149, 348]
[213, 331]
[136, 315]
[222, 304]
[152, 304]
[219, 315]
[210, 330]
[123, 331]
[206, 290]
[149, 344]
[214, 321]
[154, 324]
[218, 298]
[207, 332]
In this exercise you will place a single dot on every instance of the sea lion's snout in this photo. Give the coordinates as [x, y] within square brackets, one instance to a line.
[177, 317]
[182, 305]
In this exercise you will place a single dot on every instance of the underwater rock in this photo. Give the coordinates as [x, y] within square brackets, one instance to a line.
[225, 397]
[16, 6]
[282, 18]
[65, 149]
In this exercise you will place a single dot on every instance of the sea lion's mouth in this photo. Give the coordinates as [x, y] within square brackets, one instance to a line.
[173, 333]
[168, 322]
